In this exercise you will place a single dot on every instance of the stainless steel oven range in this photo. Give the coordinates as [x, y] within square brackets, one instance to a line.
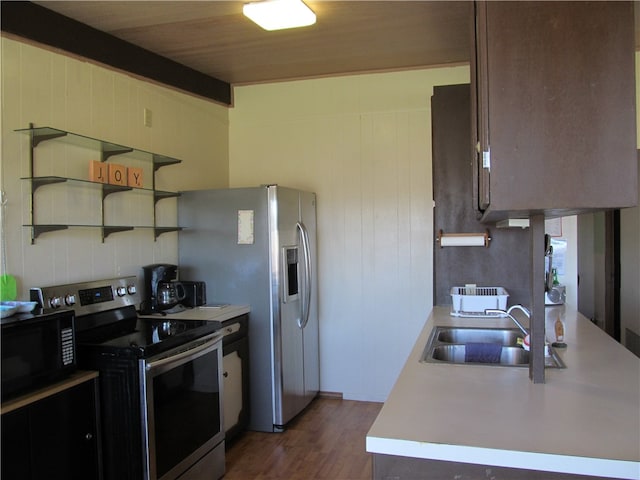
[160, 382]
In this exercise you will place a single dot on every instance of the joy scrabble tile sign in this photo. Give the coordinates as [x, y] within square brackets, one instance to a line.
[116, 174]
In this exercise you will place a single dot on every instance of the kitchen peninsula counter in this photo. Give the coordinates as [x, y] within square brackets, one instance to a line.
[585, 420]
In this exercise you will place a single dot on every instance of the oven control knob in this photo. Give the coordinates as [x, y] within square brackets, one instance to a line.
[55, 302]
[121, 291]
[131, 290]
[70, 299]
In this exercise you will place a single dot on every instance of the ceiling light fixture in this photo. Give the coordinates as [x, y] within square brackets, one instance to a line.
[279, 14]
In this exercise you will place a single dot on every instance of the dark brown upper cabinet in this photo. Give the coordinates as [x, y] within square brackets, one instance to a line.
[553, 108]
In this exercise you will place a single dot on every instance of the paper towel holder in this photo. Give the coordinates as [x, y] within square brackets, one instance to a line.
[463, 239]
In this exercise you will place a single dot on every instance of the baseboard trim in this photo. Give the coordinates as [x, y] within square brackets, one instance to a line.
[334, 395]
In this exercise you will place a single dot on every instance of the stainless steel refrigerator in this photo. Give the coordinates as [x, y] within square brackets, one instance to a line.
[257, 247]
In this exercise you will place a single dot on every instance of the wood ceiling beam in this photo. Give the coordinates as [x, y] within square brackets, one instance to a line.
[39, 24]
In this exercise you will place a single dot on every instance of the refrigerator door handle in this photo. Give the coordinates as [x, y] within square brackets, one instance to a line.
[306, 305]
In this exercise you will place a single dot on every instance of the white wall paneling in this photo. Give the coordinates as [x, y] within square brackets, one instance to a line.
[50, 89]
[363, 144]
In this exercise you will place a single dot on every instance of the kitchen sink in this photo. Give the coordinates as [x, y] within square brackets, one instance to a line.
[505, 337]
[448, 345]
[456, 354]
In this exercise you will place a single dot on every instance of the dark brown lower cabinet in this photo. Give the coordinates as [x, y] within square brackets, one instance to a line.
[54, 437]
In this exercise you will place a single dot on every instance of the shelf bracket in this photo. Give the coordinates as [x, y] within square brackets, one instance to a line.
[42, 181]
[36, 138]
[113, 150]
[108, 189]
[157, 231]
[160, 161]
[106, 231]
[157, 195]
[37, 230]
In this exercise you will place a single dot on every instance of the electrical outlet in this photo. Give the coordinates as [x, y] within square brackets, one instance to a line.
[147, 117]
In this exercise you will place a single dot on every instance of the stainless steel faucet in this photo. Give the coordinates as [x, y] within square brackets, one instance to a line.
[508, 314]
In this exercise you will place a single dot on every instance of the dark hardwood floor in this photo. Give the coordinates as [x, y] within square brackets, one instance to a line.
[327, 441]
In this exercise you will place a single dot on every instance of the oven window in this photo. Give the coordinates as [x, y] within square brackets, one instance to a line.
[186, 410]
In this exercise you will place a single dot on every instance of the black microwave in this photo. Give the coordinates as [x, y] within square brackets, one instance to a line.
[37, 349]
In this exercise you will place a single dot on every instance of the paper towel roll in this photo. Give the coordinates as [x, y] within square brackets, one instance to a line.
[464, 240]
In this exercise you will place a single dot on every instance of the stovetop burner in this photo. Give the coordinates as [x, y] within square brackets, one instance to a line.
[142, 337]
[165, 329]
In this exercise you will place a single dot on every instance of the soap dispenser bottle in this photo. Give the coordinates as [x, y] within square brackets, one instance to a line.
[559, 329]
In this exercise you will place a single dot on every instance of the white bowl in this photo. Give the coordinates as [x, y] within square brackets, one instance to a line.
[6, 311]
[21, 307]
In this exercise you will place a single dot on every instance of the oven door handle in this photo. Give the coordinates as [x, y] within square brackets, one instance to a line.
[186, 355]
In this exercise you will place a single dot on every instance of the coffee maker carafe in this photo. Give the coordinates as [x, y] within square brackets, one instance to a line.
[163, 291]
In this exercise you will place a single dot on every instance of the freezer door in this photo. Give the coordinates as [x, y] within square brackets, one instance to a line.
[234, 262]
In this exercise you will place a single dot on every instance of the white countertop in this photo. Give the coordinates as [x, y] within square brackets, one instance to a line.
[218, 313]
[584, 419]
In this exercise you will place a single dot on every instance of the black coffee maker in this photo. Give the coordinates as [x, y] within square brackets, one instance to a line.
[163, 293]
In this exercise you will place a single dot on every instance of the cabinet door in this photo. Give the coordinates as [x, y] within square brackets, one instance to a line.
[480, 82]
[64, 436]
[559, 79]
[56, 437]
[232, 364]
[235, 363]
[16, 461]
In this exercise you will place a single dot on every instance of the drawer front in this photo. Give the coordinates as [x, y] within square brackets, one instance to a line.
[234, 329]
